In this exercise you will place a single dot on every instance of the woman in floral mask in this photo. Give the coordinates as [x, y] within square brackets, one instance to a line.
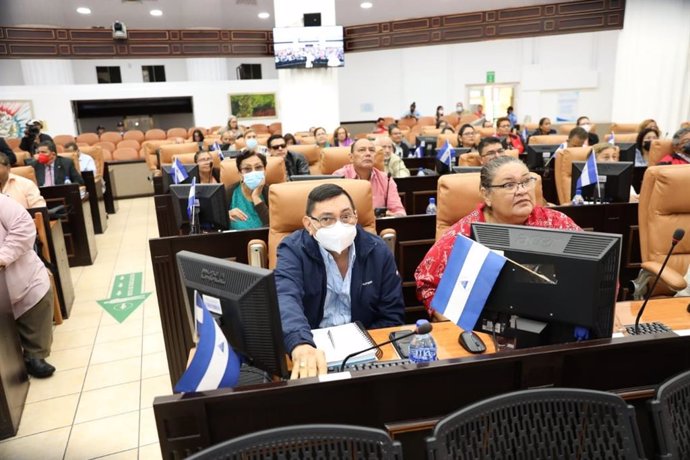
[249, 197]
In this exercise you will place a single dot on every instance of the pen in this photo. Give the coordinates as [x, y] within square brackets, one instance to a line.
[330, 336]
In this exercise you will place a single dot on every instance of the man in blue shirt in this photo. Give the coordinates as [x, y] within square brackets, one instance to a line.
[330, 273]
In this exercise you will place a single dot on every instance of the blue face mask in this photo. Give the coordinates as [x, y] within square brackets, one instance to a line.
[251, 144]
[253, 179]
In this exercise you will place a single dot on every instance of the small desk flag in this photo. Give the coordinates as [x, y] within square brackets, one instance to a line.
[178, 172]
[445, 154]
[589, 175]
[191, 201]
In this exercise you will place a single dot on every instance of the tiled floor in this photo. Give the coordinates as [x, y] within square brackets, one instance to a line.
[98, 403]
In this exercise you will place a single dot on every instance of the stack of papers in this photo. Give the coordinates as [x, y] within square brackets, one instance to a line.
[338, 342]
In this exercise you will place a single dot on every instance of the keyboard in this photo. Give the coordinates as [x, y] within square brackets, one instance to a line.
[648, 328]
[369, 365]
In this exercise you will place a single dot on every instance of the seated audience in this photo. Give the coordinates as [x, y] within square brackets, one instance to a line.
[487, 124]
[544, 128]
[509, 140]
[341, 138]
[100, 129]
[608, 153]
[321, 138]
[86, 162]
[439, 114]
[467, 138]
[383, 189]
[290, 139]
[508, 195]
[447, 129]
[402, 148]
[412, 113]
[681, 149]
[20, 189]
[33, 136]
[9, 153]
[395, 166]
[380, 127]
[576, 138]
[584, 123]
[207, 173]
[479, 112]
[648, 123]
[490, 148]
[227, 140]
[198, 137]
[252, 143]
[234, 125]
[333, 272]
[121, 128]
[249, 197]
[52, 169]
[295, 163]
[441, 124]
[643, 143]
[31, 294]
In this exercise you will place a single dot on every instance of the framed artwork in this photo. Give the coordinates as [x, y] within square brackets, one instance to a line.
[259, 105]
[13, 117]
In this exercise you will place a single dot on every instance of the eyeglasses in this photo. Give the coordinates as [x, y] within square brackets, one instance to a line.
[468, 133]
[527, 184]
[278, 147]
[248, 169]
[329, 221]
[504, 127]
[493, 153]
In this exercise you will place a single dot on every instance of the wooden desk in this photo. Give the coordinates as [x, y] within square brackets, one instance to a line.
[14, 381]
[94, 187]
[111, 206]
[409, 400]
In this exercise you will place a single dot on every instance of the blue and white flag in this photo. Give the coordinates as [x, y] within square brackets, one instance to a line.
[215, 364]
[525, 134]
[612, 139]
[215, 147]
[191, 201]
[419, 151]
[466, 283]
[178, 172]
[589, 175]
[221, 157]
[445, 154]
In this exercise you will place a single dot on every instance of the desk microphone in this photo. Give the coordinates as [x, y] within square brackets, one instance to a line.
[678, 235]
[425, 328]
[388, 184]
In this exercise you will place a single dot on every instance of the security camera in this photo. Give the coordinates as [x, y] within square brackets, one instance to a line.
[119, 31]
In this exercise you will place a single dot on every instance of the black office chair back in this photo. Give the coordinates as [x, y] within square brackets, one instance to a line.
[671, 414]
[316, 442]
[544, 423]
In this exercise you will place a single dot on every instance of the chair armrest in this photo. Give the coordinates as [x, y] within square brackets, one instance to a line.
[390, 237]
[669, 277]
[257, 253]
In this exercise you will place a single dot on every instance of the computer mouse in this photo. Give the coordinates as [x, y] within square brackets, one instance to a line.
[471, 342]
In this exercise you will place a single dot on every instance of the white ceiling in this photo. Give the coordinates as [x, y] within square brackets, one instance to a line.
[223, 14]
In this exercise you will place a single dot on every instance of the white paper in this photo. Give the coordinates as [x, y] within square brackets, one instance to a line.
[212, 304]
[682, 332]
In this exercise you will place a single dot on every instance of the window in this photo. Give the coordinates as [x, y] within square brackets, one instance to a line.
[108, 74]
[249, 72]
[151, 73]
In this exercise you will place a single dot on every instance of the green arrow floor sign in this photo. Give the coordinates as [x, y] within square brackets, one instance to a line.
[125, 297]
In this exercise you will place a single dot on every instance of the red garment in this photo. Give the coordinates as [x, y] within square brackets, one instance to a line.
[516, 142]
[672, 159]
[429, 272]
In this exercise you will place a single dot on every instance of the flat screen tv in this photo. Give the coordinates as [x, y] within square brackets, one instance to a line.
[308, 47]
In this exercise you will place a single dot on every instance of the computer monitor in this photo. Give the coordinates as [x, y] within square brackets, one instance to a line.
[192, 171]
[538, 155]
[582, 271]
[213, 209]
[627, 151]
[231, 153]
[300, 177]
[466, 169]
[429, 144]
[248, 300]
[615, 180]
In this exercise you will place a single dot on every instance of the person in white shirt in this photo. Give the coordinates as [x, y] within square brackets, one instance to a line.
[86, 162]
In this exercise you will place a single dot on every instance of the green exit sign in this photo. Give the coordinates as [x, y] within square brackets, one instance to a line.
[491, 76]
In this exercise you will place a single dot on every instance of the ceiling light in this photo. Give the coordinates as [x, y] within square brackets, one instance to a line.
[83, 10]
[366, 5]
[156, 13]
[264, 15]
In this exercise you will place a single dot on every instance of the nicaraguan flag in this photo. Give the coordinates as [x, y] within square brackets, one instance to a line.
[192, 198]
[589, 175]
[445, 154]
[612, 139]
[178, 172]
[419, 151]
[215, 364]
[215, 147]
[221, 157]
[466, 283]
[525, 134]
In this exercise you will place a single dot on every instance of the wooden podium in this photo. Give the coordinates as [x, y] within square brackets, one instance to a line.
[14, 382]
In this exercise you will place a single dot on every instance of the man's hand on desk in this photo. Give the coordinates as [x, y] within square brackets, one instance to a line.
[307, 361]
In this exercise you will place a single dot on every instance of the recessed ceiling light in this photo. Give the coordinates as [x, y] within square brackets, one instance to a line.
[83, 10]
[264, 15]
[366, 5]
[156, 13]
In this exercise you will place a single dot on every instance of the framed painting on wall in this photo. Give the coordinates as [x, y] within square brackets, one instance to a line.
[257, 105]
[14, 115]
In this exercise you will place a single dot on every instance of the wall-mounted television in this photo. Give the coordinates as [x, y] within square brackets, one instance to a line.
[308, 47]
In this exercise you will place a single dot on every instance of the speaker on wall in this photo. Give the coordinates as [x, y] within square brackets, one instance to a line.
[312, 19]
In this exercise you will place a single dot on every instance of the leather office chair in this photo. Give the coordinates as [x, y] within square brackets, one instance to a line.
[452, 119]
[155, 135]
[130, 143]
[188, 158]
[190, 131]
[13, 142]
[549, 139]
[260, 128]
[659, 149]
[430, 130]
[96, 152]
[75, 159]
[22, 156]
[135, 134]
[25, 171]
[565, 128]
[458, 194]
[426, 121]
[563, 171]
[125, 154]
[166, 152]
[275, 171]
[624, 128]
[312, 153]
[88, 138]
[42, 237]
[173, 133]
[531, 127]
[63, 139]
[407, 122]
[111, 136]
[275, 128]
[334, 158]
[485, 132]
[626, 138]
[107, 145]
[685, 124]
[240, 143]
[663, 208]
[450, 137]
[472, 158]
[149, 152]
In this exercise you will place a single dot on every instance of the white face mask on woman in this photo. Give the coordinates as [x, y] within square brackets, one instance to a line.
[336, 238]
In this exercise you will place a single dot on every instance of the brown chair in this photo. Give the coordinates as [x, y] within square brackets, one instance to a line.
[685, 124]
[106, 145]
[240, 143]
[188, 158]
[167, 151]
[275, 171]
[96, 152]
[550, 139]
[276, 128]
[190, 132]
[135, 134]
[173, 133]
[149, 152]
[74, 156]
[625, 138]
[472, 158]
[624, 128]
[129, 143]
[306, 140]
[25, 171]
[452, 119]
[334, 158]
[111, 136]
[565, 128]
[426, 121]
[22, 156]
[42, 236]
[459, 194]
[260, 128]
[430, 130]
[485, 132]
[663, 208]
[125, 154]
[450, 137]
[88, 138]
[62, 139]
[13, 142]
[156, 134]
[659, 149]
[312, 153]
[531, 127]
[262, 139]
[407, 122]
[563, 171]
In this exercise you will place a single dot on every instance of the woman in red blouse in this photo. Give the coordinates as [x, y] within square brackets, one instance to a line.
[508, 192]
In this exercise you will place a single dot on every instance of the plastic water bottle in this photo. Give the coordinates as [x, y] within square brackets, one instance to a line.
[431, 208]
[67, 181]
[422, 347]
[421, 172]
[577, 199]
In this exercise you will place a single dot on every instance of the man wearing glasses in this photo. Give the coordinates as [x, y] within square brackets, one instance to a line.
[490, 148]
[333, 272]
[295, 163]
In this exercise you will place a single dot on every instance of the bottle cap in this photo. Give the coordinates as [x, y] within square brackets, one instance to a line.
[420, 322]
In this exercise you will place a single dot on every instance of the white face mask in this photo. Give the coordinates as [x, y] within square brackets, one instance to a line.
[586, 126]
[336, 238]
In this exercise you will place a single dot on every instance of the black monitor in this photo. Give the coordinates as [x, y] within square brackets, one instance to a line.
[213, 209]
[537, 157]
[231, 153]
[579, 288]
[627, 151]
[429, 144]
[192, 171]
[466, 169]
[300, 177]
[615, 179]
[250, 316]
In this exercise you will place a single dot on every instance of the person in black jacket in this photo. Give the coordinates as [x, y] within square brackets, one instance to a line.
[52, 169]
[295, 163]
[33, 136]
[4, 148]
[584, 123]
